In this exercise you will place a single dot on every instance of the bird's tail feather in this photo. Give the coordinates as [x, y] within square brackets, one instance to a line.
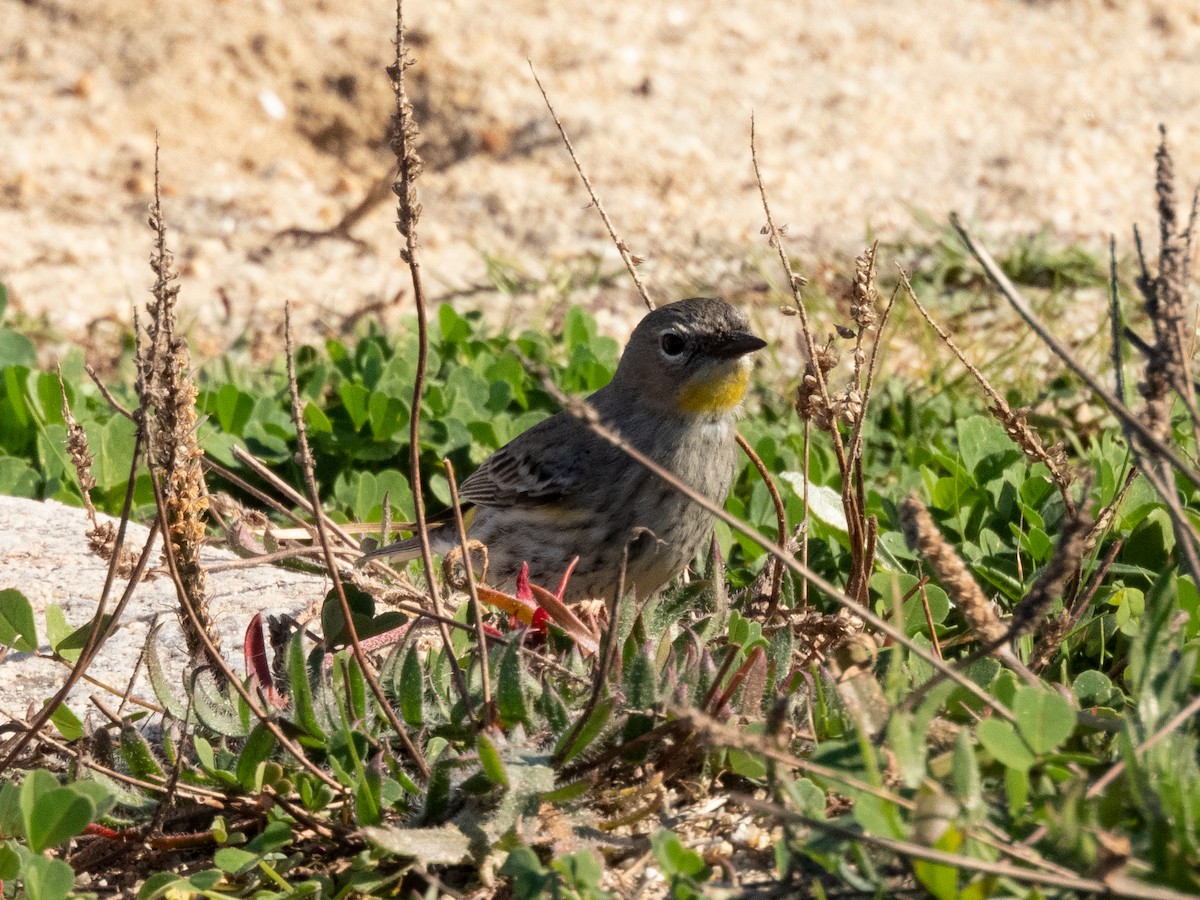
[442, 539]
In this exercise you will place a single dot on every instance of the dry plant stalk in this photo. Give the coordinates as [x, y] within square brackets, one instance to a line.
[166, 390]
[1015, 422]
[923, 536]
[816, 406]
[1060, 573]
[408, 212]
[1165, 300]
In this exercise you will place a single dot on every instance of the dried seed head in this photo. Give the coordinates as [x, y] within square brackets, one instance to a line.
[865, 296]
[923, 536]
[812, 403]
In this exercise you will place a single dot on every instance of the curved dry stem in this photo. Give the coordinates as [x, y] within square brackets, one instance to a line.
[631, 262]
[476, 607]
[331, 565]
[781, 526]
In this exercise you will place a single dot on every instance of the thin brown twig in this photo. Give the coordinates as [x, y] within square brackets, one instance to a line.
[856, 438]
[476, 607]
[781, 525]
[294, 496]
[261, 559]
[251, 461]
[795, 282]
[195, 792]
[804, 523]
[626, 256]
[1014, 423]
[98, 630]
[314, 499]
[1114, 887]
[933, 638]
[1128, 418]
[107, 394]
[1184, 715]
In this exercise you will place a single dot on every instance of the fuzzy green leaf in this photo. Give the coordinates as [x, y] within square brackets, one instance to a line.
[510, 690]
[490, 761]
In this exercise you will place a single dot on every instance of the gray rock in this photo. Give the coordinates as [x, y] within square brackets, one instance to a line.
[44, 554]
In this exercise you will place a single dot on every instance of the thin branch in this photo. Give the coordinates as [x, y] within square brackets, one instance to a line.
[1110, 887]
[476, 606]
[1025, 311]
[781, 526]
[795, 283]
[310, 481]
[626, 257]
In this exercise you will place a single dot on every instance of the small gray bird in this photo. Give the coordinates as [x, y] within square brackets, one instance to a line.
[559, 490]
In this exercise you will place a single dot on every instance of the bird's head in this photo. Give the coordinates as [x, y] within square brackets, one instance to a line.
[690, 358]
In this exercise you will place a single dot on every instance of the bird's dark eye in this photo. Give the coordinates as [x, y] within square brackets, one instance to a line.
[672, 344]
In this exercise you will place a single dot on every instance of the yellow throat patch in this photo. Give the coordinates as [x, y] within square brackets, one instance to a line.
[716, 395]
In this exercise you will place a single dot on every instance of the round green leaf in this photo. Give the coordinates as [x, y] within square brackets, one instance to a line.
[1001, 740]
[1044, 718]
[58, 816]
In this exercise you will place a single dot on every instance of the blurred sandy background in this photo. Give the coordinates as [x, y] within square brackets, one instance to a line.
[273, 114]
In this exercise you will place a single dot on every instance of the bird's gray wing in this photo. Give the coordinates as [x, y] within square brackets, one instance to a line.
[550, 463]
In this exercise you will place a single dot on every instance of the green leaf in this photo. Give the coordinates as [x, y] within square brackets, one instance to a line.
[980, 437]
[510, 691]
[255, 752]
[16, 349]
[1044, 718]
[48, 879]
[17, 628]
[66, 722]
[595, 724]
[939, 879]
[489, 760]
[37, 783]
[57, 816]
[234, 408]
[677, 860]
[1093, 688]
[273, 838]
[746, 764]
[58, 630]
[10, 861]
[823, 502]
[17, 477]
[412, 689]
[355, 398]
[234, 860]
[964, 769]
[112, 446]
[530, 879]
[1001, 740]
[301, 690]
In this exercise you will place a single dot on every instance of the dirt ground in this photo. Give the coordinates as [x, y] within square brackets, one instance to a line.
[273, 114]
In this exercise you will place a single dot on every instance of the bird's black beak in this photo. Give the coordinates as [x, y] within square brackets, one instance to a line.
[739, 343]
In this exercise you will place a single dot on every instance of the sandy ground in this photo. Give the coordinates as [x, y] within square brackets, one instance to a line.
[273, 115]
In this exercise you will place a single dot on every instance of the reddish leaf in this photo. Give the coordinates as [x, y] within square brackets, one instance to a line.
[254, 648]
